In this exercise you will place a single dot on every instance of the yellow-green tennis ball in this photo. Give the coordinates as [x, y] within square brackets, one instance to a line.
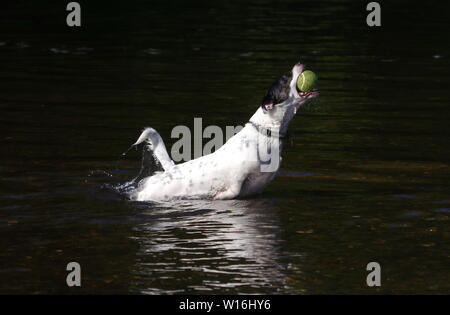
[306, 81]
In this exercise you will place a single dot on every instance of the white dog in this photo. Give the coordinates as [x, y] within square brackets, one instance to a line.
[240, 167]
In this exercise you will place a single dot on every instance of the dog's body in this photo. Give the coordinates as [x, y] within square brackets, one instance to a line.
[237, 169]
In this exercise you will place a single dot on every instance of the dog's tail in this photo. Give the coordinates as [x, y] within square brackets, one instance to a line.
[152, 137]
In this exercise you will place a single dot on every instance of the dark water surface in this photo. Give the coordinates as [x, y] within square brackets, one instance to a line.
[366, 177]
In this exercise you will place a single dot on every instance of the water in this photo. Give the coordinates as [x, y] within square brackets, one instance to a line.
[366, 177]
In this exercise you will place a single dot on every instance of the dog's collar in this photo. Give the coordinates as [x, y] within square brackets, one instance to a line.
[268, 132]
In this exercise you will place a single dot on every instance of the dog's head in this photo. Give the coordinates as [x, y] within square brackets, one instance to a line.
[283, 94]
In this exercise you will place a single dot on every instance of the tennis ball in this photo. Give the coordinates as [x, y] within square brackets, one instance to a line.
[306, 81]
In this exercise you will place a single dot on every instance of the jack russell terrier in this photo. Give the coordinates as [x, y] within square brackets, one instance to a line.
[237, 169]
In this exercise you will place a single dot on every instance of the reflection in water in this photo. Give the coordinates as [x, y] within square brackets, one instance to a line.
[192, 244]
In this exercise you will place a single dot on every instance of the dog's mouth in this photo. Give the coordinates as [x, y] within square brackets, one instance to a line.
[299, 68]
[307, 95]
